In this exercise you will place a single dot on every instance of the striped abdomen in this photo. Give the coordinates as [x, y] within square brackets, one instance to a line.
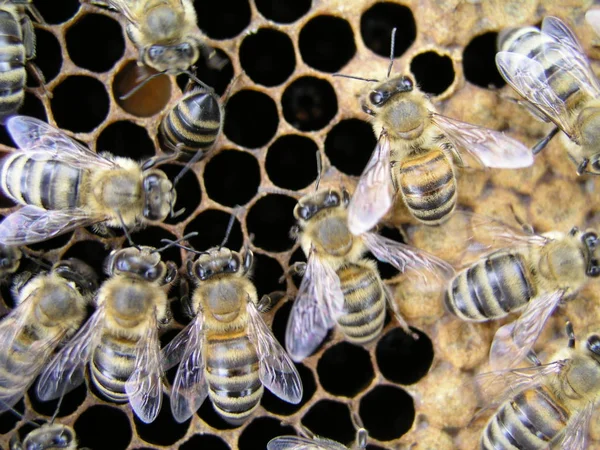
[12, 64]
[428, 186]
[111, 365]
[530, 421]
[364, 303]
[232, 375]
[194, 122]
[47, 184]
[491, 288]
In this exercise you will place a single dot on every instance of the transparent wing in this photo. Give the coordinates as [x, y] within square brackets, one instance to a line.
[31, 224]
[43, 142]
[318, 304]
[276, 371]
[173, 352]
[513, 341]
[302, 443]
[490, 148]
[575, 434]
[125, 8]
[374, 193]
[66, 371]
[189, 388]
[144, 385]
[593, 18]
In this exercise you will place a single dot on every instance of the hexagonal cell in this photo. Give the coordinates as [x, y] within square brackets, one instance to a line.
[92, 252]
[275, 405]
[330, 419]
[89, 434]
[223, 19]
[207, 441]
[188, 191]
[79, 103]
[479, 61]
[349, 145]
[68, 405]
[48, 55]
[397, 346]
[309, 103]
[126, 139]
[291, 161]
[270, 220]
[345, 369]
[251, 118]
[89, 52]
[376, 26]
[387, 412]
[55, 13]
[141, 100]
[165, 430]
[267, 57]
[232, 177]
[283, 12]
[327, 43]
[260, 431]
[217, 78]
[265, 275]
[212, 225]
[433, 72]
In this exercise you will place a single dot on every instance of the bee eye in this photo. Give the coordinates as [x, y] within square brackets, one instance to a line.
[156, 51]
[376, 97]
[233, 265]
[151, 274]
[304, 213]
[591, 240]
[185, 50]
[346, 198]
[405, 84]
[593, 344]
[333, 199]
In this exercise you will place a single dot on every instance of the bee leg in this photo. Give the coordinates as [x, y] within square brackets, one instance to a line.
[527, 228]
[570, 334]
[298, 268]
[582, 166]
[171, 273]
[185, 301]
[19, 281]
[268, 301]
[396, 312]
[533, 359]
[211, 58]
[544, 141]
[167, 317]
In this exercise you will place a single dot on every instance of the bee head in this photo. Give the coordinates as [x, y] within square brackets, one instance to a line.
[75, 270]
[159, 195]
[142, 262]
[171, 59]
[310, 205]
[49, 436]
[385, 91]
[220, 261]
[10, 257]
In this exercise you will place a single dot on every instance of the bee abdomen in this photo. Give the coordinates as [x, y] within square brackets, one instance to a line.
[111, 365]
[364, 303]
[232, 375]
[530, 421]
[428, 186]
[47, 184]
[491, 288]
[12, 70]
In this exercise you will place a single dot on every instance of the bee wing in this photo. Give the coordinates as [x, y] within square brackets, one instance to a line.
[593, 18]
[374, 193]
[173, 352]
[513, 341]
[320, 301]
[490, 148]
[276, 371]
[575, 435]
[124, 7]
[66, 371]
[189, 388]
[144, 385]
[31, 224]
[302, 443]
[44, 142]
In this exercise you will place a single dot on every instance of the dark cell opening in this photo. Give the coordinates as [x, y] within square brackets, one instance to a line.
[327, 43]
[434, 72]
[152, 236]
[89, 434]
[32, 106]
[270, 220]
[89, 52]
[216, 77]
[283, 12]
[126, 139]
[345, 369]
[349, 145]
[93, 253]
[232, 177]
[309, 103]
[223, 19]
[479, 62]
[48, 56]
[212, 418]
[260, 431]
[8, 420]
[207, 441]
[188, 191]
[56, 242]
[377, 23]
[211, 226]
[267, 57]
[250, 118]
[57, 12]
[291, 161]
[70, 402]
[280, 321]
[387, 412]
[275, 405]
[332, 420]
[79, 103]
[165, 430]
[396, 346]
[265, 275]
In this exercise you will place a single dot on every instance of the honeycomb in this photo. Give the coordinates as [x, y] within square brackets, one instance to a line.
[283, 104]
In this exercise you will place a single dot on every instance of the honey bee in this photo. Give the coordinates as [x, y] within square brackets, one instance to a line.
[64, 185]
[546, 406]
[120, 340]
[550, 70]
[313, 442]
[531, 273]
[340, 286]
[50, 436]
[50, 308]
[165, 32]
[227, 352]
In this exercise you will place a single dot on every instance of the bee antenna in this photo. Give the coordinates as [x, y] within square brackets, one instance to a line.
[172, 243]
[228, 231]
[126, 231]
[60, 400]
[342, 75]
[187, 167]
[392, 48]
[177, 244]
[319, 170]
[141, 85]
[197, 80]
